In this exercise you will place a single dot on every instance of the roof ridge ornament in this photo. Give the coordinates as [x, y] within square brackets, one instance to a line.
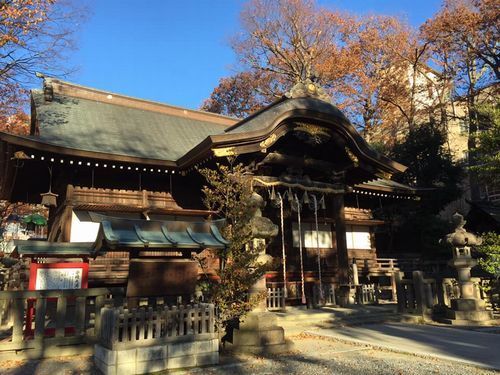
[308, 88]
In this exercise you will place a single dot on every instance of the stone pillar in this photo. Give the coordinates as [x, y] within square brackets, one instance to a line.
[398, 277]
[418, 286]
[355, 277]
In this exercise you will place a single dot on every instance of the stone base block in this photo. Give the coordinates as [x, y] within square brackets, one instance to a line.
[147, 367]
[145, 360]
[476, 316]
[105, 368]
[263, 349]
[259, 321]
[470, 323]
[467, 304]
[269, 336]
[193, 347]
[206, 359]
[181, 362]
[104, 355]
[259, 333]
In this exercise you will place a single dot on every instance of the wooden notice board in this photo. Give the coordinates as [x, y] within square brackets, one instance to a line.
[162, 277]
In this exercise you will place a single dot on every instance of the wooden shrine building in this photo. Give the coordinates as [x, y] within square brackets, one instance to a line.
[119, 176]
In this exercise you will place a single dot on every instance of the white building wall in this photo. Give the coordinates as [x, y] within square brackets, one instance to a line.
[82, 231]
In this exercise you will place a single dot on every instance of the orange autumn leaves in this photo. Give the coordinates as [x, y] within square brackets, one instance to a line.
[385, 75]
[35, 36]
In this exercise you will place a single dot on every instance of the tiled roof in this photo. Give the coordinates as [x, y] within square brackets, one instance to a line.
[118, 233]
[97, 126]
[25, 247]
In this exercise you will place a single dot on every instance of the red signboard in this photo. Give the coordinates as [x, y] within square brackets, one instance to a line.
[54, 276]
[58, 276]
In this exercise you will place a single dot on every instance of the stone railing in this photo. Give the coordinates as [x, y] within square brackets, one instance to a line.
[423, 296]
[145, 340]
[45, 323]
[416, 295]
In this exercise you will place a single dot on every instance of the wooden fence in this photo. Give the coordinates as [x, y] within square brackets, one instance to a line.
[328, 297]
[275, 299]
[366, 294]
[123, 328]
[38, 323]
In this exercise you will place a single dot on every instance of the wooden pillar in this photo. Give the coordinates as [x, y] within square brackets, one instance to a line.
[340, 234]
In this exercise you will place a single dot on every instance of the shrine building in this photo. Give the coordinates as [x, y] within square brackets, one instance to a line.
[119, 175]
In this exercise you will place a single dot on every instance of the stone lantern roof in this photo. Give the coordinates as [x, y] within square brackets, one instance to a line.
[460, 237]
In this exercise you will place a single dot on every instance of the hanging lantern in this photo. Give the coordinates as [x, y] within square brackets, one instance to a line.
[322, 203]
[295, 203]
[273, 194]
[49, 199]
[275, 199]
[305, 198]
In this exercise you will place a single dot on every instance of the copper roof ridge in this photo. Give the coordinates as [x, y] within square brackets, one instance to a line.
[90, 93]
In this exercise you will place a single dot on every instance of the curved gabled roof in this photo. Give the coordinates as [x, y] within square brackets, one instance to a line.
[75, 120]
[263, 128]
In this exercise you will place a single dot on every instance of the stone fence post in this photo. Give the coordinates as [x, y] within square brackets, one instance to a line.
[419, 287]
[398, 277]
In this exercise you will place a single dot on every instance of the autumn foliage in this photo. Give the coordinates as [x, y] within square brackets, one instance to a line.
[384, 74]
[35, 36]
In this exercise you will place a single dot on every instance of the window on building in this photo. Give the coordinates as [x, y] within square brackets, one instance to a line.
[358, 237]
[309, 235]
[463, 125]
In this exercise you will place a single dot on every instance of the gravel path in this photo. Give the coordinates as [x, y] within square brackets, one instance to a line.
[310, 355]
[448, 343]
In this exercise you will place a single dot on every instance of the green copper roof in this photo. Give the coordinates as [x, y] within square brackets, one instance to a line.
[96, 126]
[118, 233]
[42, 248]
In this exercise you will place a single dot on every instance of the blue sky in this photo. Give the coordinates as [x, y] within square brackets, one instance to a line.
[175, 51]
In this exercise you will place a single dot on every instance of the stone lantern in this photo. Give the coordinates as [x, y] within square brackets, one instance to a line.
[467, 309]
[258, 332]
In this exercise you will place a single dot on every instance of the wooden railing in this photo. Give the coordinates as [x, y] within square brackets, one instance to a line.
[135, 198]
[33, 322]
[366, 294]
[124, 328]
[275, 299]
[387, 264]
[328, 297]
[377, 265]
